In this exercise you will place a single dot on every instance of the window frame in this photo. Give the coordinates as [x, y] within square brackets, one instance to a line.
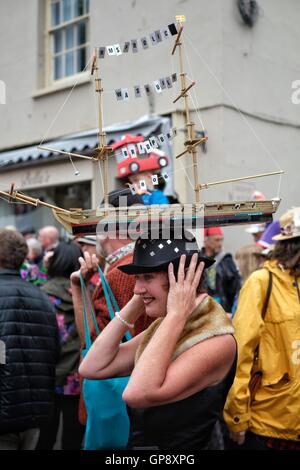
[49, 43]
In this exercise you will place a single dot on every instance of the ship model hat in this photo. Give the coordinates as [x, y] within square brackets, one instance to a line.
[153, 255]
[289, 225]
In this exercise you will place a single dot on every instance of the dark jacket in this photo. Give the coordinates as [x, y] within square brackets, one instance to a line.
[58, 289]
[227, 282]
[29, 336]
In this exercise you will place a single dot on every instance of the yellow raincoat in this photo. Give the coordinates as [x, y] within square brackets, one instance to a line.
[276, 409]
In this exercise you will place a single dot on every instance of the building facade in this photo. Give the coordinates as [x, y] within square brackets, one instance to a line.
[245, 82]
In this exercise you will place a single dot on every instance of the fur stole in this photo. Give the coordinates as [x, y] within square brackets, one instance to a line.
[207, 320]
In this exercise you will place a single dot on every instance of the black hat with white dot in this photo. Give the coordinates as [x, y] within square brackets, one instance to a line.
[152, 255]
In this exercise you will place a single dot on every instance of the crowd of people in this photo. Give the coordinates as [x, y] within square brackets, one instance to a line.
[204, 324]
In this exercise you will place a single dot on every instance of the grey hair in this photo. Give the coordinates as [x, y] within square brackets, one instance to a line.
[34, 244]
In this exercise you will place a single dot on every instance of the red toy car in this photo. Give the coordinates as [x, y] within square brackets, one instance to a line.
[134, 161]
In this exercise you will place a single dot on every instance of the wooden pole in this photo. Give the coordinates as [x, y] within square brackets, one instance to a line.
[102, 138]
[189, 147]
[189, 125]
[62, 152]
[30, 200]
[184, 92]
[261, 175]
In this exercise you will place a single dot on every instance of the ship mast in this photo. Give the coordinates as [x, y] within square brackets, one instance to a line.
[191, 143]
[103, 150]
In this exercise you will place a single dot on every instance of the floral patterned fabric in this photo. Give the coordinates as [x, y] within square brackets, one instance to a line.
[33, 273]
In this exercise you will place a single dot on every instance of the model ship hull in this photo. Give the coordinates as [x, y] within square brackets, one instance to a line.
[90, 222]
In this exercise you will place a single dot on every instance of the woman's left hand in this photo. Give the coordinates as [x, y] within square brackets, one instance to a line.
[183, 292]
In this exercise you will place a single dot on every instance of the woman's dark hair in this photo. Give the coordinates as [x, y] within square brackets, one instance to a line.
[13, 249]
[64, 260]
[202, 286]
[287, 252]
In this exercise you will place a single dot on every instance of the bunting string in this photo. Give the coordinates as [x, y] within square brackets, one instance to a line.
[136, 45]
[164, 83]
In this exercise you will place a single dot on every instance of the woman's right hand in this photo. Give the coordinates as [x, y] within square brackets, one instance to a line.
[88, 267]
[135, 308]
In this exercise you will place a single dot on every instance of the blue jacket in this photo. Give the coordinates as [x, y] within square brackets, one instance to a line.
[155, 197]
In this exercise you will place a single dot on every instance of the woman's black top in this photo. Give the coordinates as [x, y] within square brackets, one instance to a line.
[185, 424]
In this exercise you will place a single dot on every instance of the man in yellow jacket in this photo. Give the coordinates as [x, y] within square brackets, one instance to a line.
[272, 420]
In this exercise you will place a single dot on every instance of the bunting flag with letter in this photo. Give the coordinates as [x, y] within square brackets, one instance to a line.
[154, 38]
[162, 84]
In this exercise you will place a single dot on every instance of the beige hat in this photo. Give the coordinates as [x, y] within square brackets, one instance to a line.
[289, 225]
[87, 240]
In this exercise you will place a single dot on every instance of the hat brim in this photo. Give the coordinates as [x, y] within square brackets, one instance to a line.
[139, 269]
[284, 237]
[86, 243]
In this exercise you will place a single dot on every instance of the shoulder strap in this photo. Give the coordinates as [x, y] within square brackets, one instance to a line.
[268, 295]
[86, 297]
[110, 299]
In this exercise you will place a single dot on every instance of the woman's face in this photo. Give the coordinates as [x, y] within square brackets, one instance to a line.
[153, 289]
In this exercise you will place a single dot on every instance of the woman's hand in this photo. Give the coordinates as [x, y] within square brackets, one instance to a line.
[88, 267]
[183, 292]
[136, 303]
[47, 257]
[134, 309]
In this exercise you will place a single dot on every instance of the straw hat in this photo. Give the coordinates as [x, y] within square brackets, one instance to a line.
[289, 225]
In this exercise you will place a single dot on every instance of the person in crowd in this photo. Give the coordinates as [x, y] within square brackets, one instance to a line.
[33, 269]
[28, 232]
[88, 244]
[35, 252]
[188, 350]
[62, 263]
[256, 230]
[29, 350]
[48, 238]
[266, 241]
[116, 249]
[222, 279]
[258, 196]
[249, 258]
[267, 325]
